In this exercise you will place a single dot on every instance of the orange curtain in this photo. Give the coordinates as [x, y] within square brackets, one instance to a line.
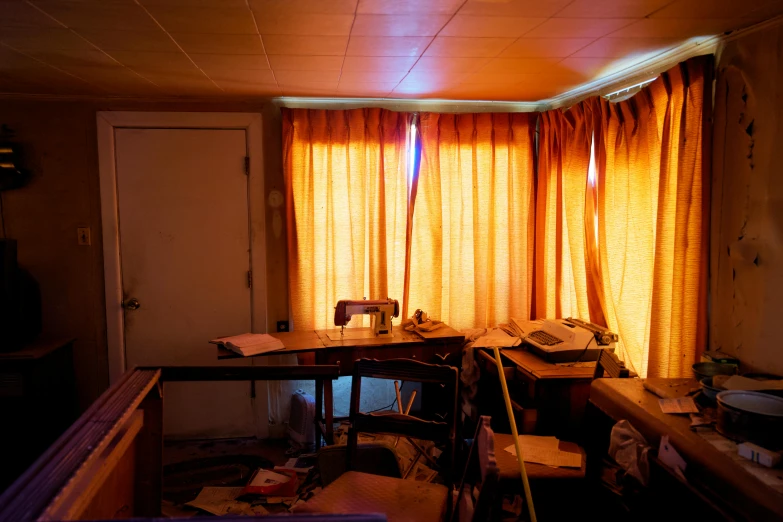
[567, 274]
[653, 213]
[346, 205]
[473, 220]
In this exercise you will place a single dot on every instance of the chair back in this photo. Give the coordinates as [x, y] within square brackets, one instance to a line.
[611, 364]
[481, 469]
[441, 430]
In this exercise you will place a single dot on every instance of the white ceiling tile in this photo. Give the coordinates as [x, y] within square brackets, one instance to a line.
[230, 61]
[113, 40]
[676, 28]
[545, 47]
[578, 27]
[470, 47]
[610, 47]
[293, 8]
[103, 15]
[43, 38]
[524, 8]
[398, 25]
[376, 63]
[305, 45]
[295, 77]
[206, 20]
[611, 8]
[713, 8]
[304, 24]
[219, 43]
[21, 14]
[145, 61]
[372, 76]
[490, 26]
[408, 6]
[387, 45]
[305, 63]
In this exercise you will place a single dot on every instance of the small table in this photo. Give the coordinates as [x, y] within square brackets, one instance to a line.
[442, 346]
[550, 398]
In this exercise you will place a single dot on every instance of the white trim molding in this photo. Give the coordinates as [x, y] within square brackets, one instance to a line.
[107, 122]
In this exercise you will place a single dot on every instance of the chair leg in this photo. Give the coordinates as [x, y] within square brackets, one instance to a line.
[329, 407]
[319, 391]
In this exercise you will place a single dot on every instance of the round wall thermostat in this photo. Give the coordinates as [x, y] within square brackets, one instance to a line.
[275, 199]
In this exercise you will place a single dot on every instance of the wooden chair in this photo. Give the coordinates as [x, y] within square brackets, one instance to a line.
[480, 470]
[399, 499]
[611, 364]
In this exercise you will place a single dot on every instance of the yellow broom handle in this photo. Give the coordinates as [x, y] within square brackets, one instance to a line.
[515, 434]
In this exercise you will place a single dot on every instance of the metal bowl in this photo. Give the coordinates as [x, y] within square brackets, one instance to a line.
[751, 416]
[708, 390]
[710, 369]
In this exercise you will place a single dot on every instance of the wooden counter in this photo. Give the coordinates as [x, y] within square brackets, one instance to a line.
[711, 472]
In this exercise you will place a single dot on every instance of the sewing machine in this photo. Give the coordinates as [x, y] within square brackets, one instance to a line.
[381, 312]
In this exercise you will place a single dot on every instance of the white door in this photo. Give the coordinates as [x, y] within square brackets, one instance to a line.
[185, 255]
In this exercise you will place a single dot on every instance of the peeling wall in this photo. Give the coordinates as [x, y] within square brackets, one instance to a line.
[60, 144]
[746, 253]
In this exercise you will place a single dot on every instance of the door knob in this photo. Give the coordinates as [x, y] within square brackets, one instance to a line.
[131, 304]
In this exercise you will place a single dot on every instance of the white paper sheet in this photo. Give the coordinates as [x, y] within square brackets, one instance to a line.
[678, 405]
[545, 450]
[220, 501]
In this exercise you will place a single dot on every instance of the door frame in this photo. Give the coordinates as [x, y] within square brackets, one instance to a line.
[108, 122]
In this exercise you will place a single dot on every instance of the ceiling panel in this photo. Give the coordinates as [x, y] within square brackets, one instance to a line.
[305, 63]
[469, 47]
[146, 61]
[398, 25]
[296, 7]
[219, 43]
[714, 8]
[304, 24]
[43, 38]
[408, 6]
[612, 8]
[126, 16]
[677, 28]
[230, 61]
[523, 8]
[21, 14]
[578, 27]
[374, 63]
[610, 47]
[545, 47]
[363, 89]
[490, 26]
[305, 45]
[372, 76]
[299, 77]
[387, 45]
[207, 20]
[113, 40]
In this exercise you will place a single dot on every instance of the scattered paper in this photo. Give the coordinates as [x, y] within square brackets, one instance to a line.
[545, 450]
[504, 341]
[220, 501]
[301, 464]
[669, 456]
[678, 405]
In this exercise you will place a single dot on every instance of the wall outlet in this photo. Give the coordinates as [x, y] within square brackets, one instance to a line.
[282, 326]
[83, 236]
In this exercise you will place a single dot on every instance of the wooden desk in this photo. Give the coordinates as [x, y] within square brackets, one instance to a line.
[442, 346]
[712, 475]
[549, 399]
[315, 347]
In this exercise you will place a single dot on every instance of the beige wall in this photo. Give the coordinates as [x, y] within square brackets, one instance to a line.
[59, 139]
[746, 262]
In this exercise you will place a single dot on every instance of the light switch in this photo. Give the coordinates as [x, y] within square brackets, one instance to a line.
[83, 236]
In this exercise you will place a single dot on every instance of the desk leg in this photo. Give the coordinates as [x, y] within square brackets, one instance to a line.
[319, 391]
[329, 407]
